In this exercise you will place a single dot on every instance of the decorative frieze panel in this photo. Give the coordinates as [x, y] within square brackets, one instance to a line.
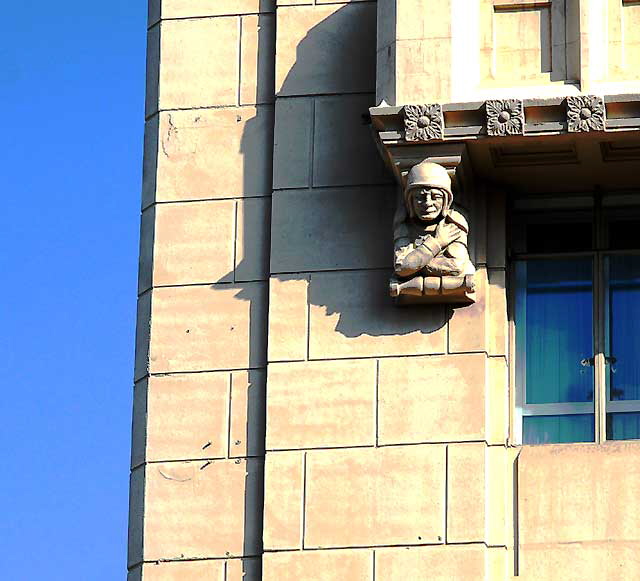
[585, 113]
[423, 122]
[426, 123]
[505, 117]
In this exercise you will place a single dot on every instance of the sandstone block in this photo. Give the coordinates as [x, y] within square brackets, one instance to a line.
[579, 493]
[375, 496]
[468, 325]
[466, 492]
[199, 510]
[248, 397]
[610, 560]
[284, 476]
[194, 71]
[343, 151]
[288, 325]
[322, 229]
[462, 563]
[498, 324]
[252, 239]
[184, 571]
[257, 67]
[208, 153]
[186, 416]
[293, 141]
[319, 566]
[351, 315]
[432, 399]
[194, 243]
[205, 328]
[321, 404]
[311, 54]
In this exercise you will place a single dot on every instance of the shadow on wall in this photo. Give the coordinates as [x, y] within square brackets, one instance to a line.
[334, 200]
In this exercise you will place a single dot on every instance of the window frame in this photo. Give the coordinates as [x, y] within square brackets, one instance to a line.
[602, 404]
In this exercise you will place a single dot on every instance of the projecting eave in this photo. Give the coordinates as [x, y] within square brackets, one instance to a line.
[557, 144]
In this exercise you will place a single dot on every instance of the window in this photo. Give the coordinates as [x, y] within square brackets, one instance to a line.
[576, 282]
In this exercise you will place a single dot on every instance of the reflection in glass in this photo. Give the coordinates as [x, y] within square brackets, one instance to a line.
[623, 426]
[555, 300]
[558, 429]
[624, 324]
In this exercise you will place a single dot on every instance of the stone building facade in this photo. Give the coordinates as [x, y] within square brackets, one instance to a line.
[292, 420]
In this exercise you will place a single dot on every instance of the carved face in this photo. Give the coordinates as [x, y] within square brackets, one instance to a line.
[428, 202]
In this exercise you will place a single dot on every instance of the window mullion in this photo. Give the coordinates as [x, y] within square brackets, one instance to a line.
[600, 380]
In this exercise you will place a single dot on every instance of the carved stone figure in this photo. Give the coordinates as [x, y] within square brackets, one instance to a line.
[431, 240]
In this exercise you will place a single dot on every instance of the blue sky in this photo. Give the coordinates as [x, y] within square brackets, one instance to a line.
[71, 97]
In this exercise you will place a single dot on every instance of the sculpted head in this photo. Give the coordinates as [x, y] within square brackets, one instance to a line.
[428, 194]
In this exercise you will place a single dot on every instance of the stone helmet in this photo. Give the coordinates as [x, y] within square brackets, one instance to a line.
[428, 174]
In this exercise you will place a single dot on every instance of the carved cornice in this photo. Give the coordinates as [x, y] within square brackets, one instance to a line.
[585, 113]
[505, 117]
[423, 122]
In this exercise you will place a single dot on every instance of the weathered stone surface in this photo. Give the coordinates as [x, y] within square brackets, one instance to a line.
[311, 54]
[579, 493]
[301, 218]
[468, 325]
[351, 316]
[246, 432]
[205, 328]
[288, 325]
[432, 399]
[195, 72]
[610, 560]
[186, 416]
[194, 243]
[343, 151]
[284, 477]
[252, 239]
[197, 510]
[375, 496]
[184, 571]
[464, 563]
[323, 142]
[319, 566]
[321, 404]
[466, 492]
[185, 159]
[293, 142]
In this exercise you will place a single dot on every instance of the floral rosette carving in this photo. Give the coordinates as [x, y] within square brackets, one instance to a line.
[585, 113]
[505, 117]
[423, 122]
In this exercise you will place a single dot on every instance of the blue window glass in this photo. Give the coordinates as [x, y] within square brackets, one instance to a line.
[624, 327]
[623, 426]
[559, 330]
[558, 429]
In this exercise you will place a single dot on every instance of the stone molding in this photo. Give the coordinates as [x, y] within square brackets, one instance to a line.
[505, 118]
